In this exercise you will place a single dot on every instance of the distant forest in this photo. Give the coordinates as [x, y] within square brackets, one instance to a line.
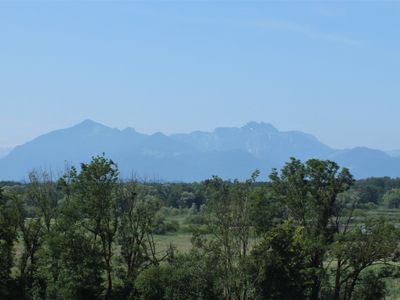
[309, 231]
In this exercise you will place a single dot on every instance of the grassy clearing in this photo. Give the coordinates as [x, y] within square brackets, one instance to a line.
[181, 241]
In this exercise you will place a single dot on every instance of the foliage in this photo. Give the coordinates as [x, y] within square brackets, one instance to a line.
[302, 235]
[189, 276]
[229, 212]
[310, 193]
[391, 198]
[73, 265]
[151, 283]
[8, 236]
[280, 264]
[135, 233]
[95, 190]
[371, 286]
[374, 242]
[371, 190]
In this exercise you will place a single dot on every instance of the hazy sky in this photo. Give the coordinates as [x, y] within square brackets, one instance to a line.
[328, 68]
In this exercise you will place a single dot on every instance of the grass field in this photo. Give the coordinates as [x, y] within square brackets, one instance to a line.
[180, 240]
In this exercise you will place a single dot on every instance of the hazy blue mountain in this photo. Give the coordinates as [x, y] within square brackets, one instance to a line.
[261, 140]
[364, 162]
[394, 153]
[4, 151]
[227, 152]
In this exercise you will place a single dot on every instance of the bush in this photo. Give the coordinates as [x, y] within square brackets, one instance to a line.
[197, 219]
[169, 211]
[370, 287]
[186, 277]
[150, 283]
[172, 226]
[165, 227]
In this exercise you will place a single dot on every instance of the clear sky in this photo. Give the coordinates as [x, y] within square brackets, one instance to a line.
[331, 69]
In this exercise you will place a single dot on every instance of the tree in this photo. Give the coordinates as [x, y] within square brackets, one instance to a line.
[190, 276]
[391, 198]
[43, 195]
[32, 233]
[371, 286]
[229, 211]
[70, 261]
[135, 233]
[280, 264]
[266, 211]
[79, 269]
[309, 192]
[371, 243]
[151, 283]
[95, 190]
[8, 236]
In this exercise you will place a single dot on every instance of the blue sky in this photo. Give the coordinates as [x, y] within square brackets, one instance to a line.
[331, 69]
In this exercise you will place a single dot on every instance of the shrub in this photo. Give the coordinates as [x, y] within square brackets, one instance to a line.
[371, 286]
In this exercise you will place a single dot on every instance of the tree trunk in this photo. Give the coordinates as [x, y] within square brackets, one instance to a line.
[109, 283]
[107, 258]
[316, 286]
[352, 286]
[315, 289]
[336, 295]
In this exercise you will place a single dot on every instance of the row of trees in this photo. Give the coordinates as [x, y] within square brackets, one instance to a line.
[67, 249]
[91, 236]
[372, 191]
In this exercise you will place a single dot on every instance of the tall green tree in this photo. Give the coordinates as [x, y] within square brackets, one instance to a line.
[8, 236]
[70, 261]
[280, 264]
[310, 193]
[95, 189]
[229, 216]
[135, 232]
[33, 233]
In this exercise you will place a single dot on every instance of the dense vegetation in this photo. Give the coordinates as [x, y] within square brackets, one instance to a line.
[309, 232]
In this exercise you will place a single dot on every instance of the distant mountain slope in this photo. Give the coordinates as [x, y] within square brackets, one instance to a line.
[227, 152]
[364, 162]
[394, 153]
[4, 151]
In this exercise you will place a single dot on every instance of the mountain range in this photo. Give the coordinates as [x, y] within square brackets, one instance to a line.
[227, 152]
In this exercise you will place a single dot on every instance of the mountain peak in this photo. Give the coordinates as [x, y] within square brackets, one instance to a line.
[260, 126]
[88, 123]
[129, 130]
